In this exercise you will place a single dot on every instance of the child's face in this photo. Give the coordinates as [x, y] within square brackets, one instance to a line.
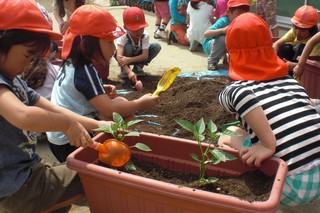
[107, 48]
[301, 33]
[136, 33]
[18, 57]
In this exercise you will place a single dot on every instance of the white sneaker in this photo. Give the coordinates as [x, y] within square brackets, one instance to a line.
[160, 34]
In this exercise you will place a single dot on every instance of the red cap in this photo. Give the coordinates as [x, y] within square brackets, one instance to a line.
[134, 19]
[252, 57]
[90, 20]
[305, 17]
[26, 15]
[238, 3]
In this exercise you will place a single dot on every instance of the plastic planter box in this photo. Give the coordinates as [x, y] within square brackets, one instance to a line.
[311, 77]
[108, 190]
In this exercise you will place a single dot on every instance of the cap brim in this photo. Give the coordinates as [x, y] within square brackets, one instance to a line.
[134, 28]
[299, 24]
[67, 44]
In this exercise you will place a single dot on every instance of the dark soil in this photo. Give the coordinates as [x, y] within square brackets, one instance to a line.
[192, 99]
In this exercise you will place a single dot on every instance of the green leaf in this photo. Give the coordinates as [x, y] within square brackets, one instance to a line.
[230, 133]
[142, 147]
[117, 118]
[200, 126]
[225, 126]
[136, 134]
[194, 157]
[186, 125]
[212, 127]
[130, 166]
[133, 122]
[221, 155]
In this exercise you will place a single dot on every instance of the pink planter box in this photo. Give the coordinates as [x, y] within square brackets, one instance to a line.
[108, 190]
[311, 77]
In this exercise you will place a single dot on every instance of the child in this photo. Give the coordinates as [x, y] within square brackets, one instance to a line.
[78, 86]
[63, 9]
[305, 25]
[162, 12]
[275, 111]
[134, 48]
[199, 17]
[214, 44]
[27, 183]
[178, 23]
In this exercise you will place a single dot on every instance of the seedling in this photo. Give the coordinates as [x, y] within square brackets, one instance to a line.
[119, 132]
[209, 155]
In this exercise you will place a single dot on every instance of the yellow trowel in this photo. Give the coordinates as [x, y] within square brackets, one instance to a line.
[166, 80]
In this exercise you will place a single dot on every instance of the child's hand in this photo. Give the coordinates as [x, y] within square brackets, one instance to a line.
[110, 90]
[132, 76]
[123, 60]
[148, 102]
[255, 155]
[78, 135]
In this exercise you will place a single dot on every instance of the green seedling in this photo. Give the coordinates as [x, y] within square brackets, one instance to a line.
[208, 155]
[119, 131]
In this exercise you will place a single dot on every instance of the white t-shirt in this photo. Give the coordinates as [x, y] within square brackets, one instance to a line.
[46, 88]
[199, 21]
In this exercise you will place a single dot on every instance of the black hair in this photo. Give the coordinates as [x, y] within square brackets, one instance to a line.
[313, 30]
[38, 42]
[194, 5]
[84, 50]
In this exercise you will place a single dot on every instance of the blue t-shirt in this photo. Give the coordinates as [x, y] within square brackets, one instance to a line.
[17, 146]
[220, 23]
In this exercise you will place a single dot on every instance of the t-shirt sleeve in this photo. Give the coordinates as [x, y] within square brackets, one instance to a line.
[87, 81]
[145, 41]
[238, 99]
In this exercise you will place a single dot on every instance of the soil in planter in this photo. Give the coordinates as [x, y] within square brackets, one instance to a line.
[191, 99]
[187, 98]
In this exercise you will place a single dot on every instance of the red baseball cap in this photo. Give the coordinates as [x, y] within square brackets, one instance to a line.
[26, 15]
[134, 19]
[90, 20]
[252, 57]
[238, 3]
[305, 17]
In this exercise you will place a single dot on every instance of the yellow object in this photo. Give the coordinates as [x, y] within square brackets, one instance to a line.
[167, 80]
[251, 2]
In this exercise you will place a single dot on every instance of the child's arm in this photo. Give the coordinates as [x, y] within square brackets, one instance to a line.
[38, 119]
[258, 122]
[276, 45]
[213, 33]
[298, 70]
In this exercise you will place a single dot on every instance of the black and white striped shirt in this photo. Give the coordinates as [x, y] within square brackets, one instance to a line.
[294, 121]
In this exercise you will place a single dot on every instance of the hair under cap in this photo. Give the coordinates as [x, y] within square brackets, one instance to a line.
[249, 44]
[90, 20]
[26, 15]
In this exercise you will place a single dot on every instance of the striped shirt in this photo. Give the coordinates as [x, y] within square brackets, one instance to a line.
[293, 120]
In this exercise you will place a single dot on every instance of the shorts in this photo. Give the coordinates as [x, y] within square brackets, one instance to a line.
[162, 10]
[301, 188]
[267, 9]
[46, 186]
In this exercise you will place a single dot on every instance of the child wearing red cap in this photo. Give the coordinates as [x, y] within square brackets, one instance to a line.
[291, 45]
[28, 183]
[214, 44]
[78, 86]
[134, 47]
[275, 112]
[199, 17]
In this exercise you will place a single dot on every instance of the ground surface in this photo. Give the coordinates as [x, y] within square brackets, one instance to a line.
[170, 55]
